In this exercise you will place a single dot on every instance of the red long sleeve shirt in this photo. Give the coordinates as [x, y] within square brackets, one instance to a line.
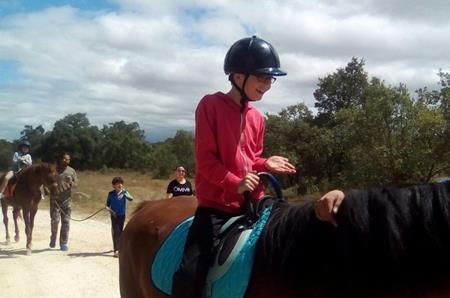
[228, 145]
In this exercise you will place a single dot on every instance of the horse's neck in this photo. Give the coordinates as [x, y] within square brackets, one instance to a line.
[32, 181]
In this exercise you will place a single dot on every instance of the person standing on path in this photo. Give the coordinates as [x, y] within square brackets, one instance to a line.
[179, 186]
[60, 205]
[116, 204]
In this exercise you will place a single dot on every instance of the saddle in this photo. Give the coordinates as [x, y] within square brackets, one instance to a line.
[230, 272]
[231, 231]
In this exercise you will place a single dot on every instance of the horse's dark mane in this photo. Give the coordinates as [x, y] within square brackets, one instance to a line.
[383, 233]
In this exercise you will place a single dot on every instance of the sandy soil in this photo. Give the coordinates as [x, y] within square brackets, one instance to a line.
[86, 270]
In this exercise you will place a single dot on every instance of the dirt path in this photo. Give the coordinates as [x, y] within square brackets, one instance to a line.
[86, 270]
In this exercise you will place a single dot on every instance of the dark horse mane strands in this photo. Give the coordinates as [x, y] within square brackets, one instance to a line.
[385, 234]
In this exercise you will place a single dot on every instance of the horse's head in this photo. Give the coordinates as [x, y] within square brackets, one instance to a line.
[50, 179]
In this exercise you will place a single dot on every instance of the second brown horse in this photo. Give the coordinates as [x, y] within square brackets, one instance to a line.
[26, 195]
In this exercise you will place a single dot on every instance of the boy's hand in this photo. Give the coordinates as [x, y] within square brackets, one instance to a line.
[69, 180]
[111, 211]
[127, 194]
[328, 205]
[279, 164]
[249, 182]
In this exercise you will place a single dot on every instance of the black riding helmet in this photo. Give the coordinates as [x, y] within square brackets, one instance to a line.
[24, 144]
[251, 56]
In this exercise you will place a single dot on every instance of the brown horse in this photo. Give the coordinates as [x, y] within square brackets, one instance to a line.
[25, 194]
[390, 242]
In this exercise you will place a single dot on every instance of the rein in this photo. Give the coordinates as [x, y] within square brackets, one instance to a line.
[86, 218]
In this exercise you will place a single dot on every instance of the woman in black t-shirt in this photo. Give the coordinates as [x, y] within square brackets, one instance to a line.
[179, 186]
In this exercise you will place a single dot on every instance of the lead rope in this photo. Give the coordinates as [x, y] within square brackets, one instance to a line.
[92, 215]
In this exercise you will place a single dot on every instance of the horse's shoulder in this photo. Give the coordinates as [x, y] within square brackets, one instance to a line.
[157, 218]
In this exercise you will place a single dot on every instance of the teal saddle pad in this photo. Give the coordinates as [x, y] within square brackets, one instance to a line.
[227, 281]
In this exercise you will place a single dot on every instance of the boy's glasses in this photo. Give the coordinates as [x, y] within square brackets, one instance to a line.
[266, 79]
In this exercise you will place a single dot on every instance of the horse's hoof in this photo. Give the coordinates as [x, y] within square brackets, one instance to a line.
[8, 242]
[28, 251]
[16, 238]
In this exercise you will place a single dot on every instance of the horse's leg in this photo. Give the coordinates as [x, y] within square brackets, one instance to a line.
[16, 214]
[5, 220]
[26, 219]
[33, 212]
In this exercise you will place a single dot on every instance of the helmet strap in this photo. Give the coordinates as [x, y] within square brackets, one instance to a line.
[244, 97]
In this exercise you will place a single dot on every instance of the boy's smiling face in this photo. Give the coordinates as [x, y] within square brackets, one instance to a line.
[256, 86]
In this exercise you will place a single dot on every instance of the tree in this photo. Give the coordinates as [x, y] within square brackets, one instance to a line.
[74, 135]
[167, 155]
[6, 153]
[342, 89]
[122, 145]
[291, 134]
[183, 149]
[392, 139]
[36, 137]
[163, 161]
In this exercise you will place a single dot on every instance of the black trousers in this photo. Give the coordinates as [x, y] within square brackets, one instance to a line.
[189, 280]
[116, 229]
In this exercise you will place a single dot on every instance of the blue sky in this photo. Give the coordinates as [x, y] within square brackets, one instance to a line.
[8, 71]
[152, 61]
[8, 7]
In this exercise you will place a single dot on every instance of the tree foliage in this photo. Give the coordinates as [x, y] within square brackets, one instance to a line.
[343, 89]
[116, 145]
[173, 152]
[365, 134]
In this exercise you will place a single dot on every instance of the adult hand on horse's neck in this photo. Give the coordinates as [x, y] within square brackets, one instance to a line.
[328, 206]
